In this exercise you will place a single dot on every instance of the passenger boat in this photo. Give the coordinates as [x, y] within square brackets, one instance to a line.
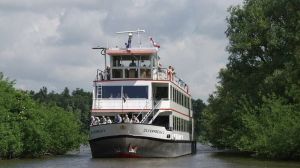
[140, 109]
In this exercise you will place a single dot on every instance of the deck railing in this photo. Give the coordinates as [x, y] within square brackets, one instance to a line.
[157, 74]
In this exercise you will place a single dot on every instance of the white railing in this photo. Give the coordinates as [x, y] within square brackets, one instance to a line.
[121, 104]
[141, 104]
[157, 74]
[151, 111]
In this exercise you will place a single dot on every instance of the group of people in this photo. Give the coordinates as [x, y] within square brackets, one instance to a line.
[171, 73]
[126, 119]
[100, 120]
[105, 75]
[118, 119]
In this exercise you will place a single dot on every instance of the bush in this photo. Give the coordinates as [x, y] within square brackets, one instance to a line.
[28, 128]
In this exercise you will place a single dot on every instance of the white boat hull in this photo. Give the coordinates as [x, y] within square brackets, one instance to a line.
[137, 140]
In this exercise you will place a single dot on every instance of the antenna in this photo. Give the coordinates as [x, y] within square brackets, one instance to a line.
[130, 34]
[131, 31]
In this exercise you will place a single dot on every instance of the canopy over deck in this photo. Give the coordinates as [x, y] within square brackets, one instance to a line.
[131, 51]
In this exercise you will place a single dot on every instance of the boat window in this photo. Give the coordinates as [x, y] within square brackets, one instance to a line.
[135, 91]
[145, 61]
[130, 61]
[116, 61]
[161, 93]
[117, 73]
[111, 91]
[145, 73]
[131, 73]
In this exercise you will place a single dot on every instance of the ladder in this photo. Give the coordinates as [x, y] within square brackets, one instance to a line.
[99, 91]
[150, 112]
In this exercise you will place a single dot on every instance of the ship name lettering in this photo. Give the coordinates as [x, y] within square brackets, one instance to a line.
[154, 131]
[98, 131]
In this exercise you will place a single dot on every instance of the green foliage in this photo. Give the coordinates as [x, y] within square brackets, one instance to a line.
[198, 106]
[256, 105]
[272, 129]
[78, 102]
[31, 129]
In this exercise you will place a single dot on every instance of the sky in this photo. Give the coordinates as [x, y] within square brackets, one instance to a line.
[48, 43]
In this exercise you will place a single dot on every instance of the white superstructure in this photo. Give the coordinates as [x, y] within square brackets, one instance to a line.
[134, 84]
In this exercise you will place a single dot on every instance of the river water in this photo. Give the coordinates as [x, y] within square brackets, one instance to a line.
[205, 158]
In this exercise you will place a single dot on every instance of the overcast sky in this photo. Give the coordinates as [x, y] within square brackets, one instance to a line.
[48, 43]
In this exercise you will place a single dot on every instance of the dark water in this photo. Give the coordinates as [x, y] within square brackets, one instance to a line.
[205, 158]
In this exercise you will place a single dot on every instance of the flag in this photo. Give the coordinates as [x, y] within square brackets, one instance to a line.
[124, 99]
[154, 43]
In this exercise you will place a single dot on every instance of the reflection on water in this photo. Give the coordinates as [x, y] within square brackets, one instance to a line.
[205, 158]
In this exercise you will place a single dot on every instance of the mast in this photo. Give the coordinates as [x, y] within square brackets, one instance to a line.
[130, 35]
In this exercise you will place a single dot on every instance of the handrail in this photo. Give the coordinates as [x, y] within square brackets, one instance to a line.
[157, 74]
[151, 111]
[143, 109]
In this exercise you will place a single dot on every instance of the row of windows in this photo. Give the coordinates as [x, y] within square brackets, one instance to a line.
[180, 124]
[122, 91]
[131, 61]
[180, 98]
[131, 73]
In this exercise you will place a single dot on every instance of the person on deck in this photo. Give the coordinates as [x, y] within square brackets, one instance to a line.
[126, 119]
[118, 119]
[135, 119]
[173, 73]
[92, 120]
[170, 73]
[106, 75]
[103, 120]
[97, 120]
[108, 121]
[132, 64]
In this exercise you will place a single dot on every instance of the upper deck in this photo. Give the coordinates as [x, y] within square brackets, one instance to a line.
[136, 64]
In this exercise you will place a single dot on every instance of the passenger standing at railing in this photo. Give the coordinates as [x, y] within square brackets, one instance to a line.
[106, 73]
[100, 76]
[173, 73]
[158, 71]
[169, 73]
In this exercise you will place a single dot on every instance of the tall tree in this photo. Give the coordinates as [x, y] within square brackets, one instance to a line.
[261, 79]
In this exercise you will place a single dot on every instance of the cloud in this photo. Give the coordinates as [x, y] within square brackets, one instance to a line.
[48, 43]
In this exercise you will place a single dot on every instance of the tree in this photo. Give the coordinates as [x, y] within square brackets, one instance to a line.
[79, 102]
[261, 79]
[198, 106]
[32, 129]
